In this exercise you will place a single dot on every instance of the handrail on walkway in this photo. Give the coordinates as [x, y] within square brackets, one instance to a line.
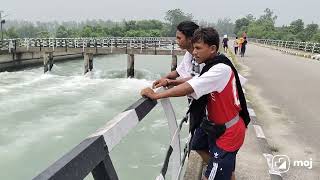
[101, 42]
[310, 47]
[92, 154]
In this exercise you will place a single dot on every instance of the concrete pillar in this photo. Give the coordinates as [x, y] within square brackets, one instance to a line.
[130, 66]
[194, 167]
[16, 57]
[174, 62]
[88, 62]
[45, 62]
[50, 61]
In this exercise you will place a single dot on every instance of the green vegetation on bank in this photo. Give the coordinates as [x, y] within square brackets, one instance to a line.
[264, 28]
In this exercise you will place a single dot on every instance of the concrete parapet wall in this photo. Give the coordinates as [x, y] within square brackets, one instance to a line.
[11, 62]
[194, 167]
[23, 57]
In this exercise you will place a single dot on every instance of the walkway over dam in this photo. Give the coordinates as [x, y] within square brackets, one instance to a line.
[47, 49]
[115, 45]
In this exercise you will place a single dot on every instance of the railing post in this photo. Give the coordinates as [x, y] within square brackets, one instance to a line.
[96, 45]
[66, 44]
[126, 47]
[172, 50]
[285, 46]
[141, 46]
[174, 136]
[314, 46]
[298, 45]
[105, 170]
[305, 48]
[15, 45]
[174, 62]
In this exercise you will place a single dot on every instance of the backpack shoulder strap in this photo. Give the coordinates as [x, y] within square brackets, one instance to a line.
[244, 114]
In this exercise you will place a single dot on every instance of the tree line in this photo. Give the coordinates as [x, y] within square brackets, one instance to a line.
[262, 27]
[108, 28]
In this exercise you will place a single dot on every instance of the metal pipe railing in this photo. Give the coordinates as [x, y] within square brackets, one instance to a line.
[310, 47]
[166, 43]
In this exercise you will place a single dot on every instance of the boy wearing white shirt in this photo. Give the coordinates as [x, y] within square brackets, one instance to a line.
[188, 67]
[221, 102]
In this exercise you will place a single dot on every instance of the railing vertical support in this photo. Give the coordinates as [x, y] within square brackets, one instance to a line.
[285, 46]
[174, 62]
[314, 46]
[126, 47]
[105, 170]
[173, 126]
[15, 45]
[305, 47]
[66, 44]
[40, 45]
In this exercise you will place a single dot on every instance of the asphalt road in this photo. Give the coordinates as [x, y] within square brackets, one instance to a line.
[285, 92]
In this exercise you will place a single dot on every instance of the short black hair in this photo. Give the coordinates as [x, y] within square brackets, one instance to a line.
[187, 28]
[207, 35]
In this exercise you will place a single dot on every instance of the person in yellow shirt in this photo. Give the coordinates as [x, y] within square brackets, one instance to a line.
[241, 40]
[236, 45]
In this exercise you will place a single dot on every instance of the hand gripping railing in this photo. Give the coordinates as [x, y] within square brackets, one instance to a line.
[92, 154]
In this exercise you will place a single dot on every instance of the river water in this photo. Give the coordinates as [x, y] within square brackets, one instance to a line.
[43, 116]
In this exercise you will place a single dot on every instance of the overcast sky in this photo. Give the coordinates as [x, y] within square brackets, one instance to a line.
[209, 10]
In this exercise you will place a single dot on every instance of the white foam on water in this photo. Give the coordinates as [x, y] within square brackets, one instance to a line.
[159, 123]
[34, 92]
[48, 111]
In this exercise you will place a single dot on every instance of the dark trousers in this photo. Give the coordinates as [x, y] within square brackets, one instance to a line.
[243, 51]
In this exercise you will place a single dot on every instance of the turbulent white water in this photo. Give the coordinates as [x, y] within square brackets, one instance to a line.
[43, 116]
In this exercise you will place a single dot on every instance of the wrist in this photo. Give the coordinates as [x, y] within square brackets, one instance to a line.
[156, 96]
[168, 82]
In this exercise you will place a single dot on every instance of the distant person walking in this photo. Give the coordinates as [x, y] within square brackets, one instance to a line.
[243, 47]
[236, 45]
[244, 34]
[225, 43]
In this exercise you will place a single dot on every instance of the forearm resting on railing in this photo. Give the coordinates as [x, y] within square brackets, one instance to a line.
[177, 82]
[177, 91]
[172, 75]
